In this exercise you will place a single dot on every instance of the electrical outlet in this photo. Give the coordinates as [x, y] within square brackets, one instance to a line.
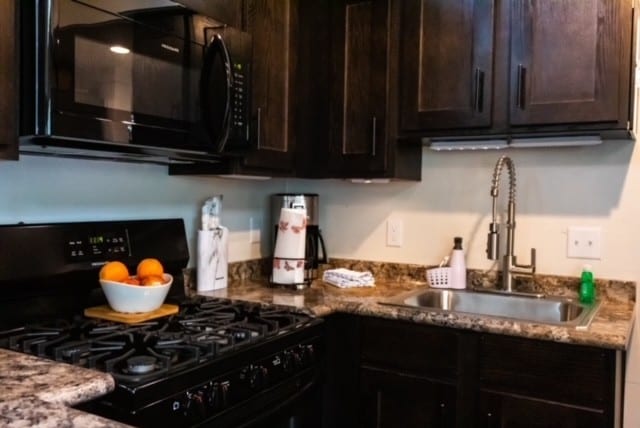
[584, 242]
[395, 231]
[254, 231]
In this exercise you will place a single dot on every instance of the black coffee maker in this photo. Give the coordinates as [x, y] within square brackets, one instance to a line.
[315, 251]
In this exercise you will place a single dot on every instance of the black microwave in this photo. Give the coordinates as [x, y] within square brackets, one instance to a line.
[147, 81]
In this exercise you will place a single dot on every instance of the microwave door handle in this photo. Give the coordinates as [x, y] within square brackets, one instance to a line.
[216, 47]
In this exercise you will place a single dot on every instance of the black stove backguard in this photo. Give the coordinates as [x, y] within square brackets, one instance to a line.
[52, 269]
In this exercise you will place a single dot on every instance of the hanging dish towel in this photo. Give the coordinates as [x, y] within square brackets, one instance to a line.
[345, 278]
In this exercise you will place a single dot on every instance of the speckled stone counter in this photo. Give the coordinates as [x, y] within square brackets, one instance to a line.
[38, 392]
[611, 327]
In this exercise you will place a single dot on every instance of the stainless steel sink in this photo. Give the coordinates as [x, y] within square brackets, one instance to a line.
[547, 310]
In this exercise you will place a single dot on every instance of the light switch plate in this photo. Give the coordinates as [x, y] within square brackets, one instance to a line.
[395, 233]
[584, 242]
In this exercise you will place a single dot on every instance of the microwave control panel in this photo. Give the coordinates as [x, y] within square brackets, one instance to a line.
[239, 98]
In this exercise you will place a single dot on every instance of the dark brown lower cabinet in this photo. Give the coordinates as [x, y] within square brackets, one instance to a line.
[389, 399]
[414, 375]
[508, 411]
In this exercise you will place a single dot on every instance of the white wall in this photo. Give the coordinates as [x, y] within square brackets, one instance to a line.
[38, 189]
[556, 188]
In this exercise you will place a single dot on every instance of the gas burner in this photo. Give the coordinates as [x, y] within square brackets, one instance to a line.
[141, 364]
[222, 311]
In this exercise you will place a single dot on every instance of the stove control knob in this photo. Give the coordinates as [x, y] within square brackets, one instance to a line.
[224, 393]
[287, 361]
[309, 353]
[264, 374]
[195, 405]
[252, 376]
[297, 358]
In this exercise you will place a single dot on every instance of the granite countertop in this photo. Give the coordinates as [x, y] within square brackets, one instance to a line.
[38, 392]
[611, 327]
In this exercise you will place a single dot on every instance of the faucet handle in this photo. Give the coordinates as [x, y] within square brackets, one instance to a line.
[531, 266]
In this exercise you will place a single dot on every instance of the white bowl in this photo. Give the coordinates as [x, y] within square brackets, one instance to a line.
[130, 298]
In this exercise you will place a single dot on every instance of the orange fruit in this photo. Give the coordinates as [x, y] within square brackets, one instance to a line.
[152, 280]
[149, 267]
[114, 271]
[132, 280]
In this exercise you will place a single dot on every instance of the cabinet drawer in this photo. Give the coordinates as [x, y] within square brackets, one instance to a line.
[404, 346]
[565, 373]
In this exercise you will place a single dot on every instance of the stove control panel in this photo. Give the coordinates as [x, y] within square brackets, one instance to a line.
[98, 245]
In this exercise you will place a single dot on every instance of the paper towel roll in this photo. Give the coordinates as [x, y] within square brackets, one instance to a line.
[292, 231]
[212, 259]
[288, 271]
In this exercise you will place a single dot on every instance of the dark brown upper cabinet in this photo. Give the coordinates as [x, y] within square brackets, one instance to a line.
[9, 85]
[273, 26]
[515, 67]
[358, 86]
[567, 61]
[447, 64]
[362, 123]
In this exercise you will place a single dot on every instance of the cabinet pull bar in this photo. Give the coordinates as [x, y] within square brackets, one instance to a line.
[258, 125]
[522, 80]
[489, 420]
[478, 94]
[373, 136]
[443, 414]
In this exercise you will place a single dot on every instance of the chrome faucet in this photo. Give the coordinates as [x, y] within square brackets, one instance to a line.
[509, 263]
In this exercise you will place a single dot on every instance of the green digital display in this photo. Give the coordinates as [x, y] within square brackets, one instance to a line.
[96, 240]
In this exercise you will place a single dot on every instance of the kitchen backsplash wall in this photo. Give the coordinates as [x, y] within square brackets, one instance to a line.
[556, 188]
[38, 189]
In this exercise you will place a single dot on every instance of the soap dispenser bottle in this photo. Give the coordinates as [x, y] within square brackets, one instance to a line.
[458, 278]
[587, 285]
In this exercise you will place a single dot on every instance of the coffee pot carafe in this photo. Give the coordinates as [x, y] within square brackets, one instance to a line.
[315, 251]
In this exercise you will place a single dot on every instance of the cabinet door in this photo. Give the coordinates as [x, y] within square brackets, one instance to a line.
[9, 72]
[446, 64]
[359, 87]
[272, 24]
[504, 411]
[393, 400]
[565, 61]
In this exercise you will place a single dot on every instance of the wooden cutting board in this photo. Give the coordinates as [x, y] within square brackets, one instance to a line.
[106, 313]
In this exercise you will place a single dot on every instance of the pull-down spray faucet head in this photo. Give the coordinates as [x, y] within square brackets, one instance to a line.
[493, 238]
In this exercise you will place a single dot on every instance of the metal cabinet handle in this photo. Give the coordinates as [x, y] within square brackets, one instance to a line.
[489, 420]
[258, 125]
[522, 82]
[478, 94]
[443, 414]
[374, 136]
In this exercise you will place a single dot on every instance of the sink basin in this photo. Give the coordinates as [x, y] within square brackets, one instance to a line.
[547, 310]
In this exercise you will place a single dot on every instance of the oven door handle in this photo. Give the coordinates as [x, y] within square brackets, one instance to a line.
[215, 102]
[282, 404]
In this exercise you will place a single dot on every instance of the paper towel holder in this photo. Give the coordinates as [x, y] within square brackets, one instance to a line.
[309, 274]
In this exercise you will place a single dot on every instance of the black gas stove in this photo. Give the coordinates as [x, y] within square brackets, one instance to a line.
[216, 362]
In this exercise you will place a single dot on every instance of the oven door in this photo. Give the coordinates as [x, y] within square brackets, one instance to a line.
[131, 78]
[300, 408]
